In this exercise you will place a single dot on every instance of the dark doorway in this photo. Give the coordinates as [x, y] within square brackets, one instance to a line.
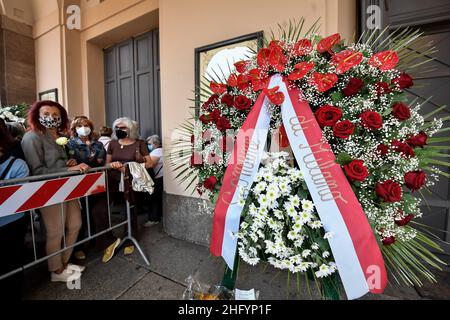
[132, 82]
[432, 17]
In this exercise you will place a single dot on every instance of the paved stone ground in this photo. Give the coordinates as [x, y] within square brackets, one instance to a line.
[171, 262]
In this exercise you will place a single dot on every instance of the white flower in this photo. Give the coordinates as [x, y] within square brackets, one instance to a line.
[278, 214]
[292, 235]
[299, 242]
[325, 254]
[324, 271]
[306, 253]
[297, 226]
[272, 194]
[316, 224]
[315, 246]
[305, 217]
[263, 201]
[304, 266]
[295, 201]
[328, 235]
[307, 205]
[62, 141]
[290, 209]
[260, 187]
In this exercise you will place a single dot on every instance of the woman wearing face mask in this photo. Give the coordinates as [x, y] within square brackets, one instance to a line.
[86, 149]
[124, 147]
[157, 173]
[48, 121]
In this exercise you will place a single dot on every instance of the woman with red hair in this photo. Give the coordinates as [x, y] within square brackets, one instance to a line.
[44, 149]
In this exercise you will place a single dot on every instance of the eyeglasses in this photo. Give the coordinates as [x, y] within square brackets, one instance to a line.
[122, 128]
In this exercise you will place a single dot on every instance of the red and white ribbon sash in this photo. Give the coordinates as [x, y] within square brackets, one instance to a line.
[34, 195]
[355, 249]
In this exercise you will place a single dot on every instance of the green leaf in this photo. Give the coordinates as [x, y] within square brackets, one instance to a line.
[337, 96]
[343, 158]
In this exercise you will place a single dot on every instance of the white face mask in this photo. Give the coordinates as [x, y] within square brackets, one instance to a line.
[83, 131]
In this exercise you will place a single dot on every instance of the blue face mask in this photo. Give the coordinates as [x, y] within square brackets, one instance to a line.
[150, 147]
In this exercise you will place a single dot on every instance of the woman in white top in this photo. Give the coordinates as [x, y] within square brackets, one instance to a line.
[157, 159]
[105, 136]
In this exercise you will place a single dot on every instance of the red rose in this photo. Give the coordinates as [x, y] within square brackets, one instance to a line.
[389, 240]
[356, 171]
[327, 115]
[196, 160]
[418, 141]
[343, 129]
[324, 81]
[404, 81]
[383, 149]
[214, 99]
[415, 180]
[227, 99]
[389, 191]
[223, 124]
[210, 183]
[382, 88]
[404, 221]
[214, 115]
[242, 103]
[384, 60]
[403, 148]
[353, 87]
[326, 44]
[204, 119]
[371, 120]
[401, 111]
[302, 47]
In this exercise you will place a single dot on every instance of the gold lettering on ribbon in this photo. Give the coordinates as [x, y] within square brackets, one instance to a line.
[298, 124]
[317, 167]
[245, 166]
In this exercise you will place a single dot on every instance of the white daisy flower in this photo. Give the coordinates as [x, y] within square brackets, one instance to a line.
[307, 205]
[328, 235]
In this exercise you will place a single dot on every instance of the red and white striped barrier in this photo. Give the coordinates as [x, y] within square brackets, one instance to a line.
[34, 195]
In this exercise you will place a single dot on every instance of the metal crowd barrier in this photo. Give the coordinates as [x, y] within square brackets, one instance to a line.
[53, 177]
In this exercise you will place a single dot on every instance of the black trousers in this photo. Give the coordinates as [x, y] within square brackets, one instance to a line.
[12, 248]
[156, 207]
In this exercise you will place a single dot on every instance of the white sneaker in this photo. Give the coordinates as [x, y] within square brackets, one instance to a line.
[65, 276]
[149, 224]
[75, 268]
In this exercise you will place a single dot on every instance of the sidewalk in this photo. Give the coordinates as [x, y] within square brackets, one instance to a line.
[171, 262]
